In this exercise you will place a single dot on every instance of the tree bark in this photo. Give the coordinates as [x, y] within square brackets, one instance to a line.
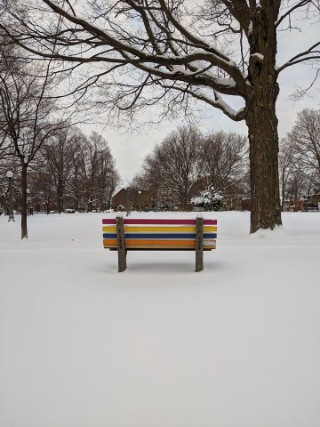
[122, 253]
[262, 124]
[199, 244]
[24, 201]
[263, 137]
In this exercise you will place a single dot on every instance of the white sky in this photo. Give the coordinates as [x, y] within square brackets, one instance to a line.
[130, 148]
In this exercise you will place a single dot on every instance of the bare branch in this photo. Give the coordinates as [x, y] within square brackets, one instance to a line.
[308, 55]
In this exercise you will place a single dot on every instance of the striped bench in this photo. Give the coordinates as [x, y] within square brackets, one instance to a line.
[127, 234]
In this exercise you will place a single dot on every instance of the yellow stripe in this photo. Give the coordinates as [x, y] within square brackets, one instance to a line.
[109, 229]
[157, 229]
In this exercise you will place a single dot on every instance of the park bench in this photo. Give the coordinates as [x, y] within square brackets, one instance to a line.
[135, 234]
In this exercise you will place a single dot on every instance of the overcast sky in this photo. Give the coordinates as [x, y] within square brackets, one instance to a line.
[130, 148]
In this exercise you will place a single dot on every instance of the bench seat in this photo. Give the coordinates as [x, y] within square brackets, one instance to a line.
[159, 234]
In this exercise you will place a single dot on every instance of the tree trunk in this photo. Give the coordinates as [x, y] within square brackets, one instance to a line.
[263, 138]
[262, 124]
[60, 194]
[24, 207]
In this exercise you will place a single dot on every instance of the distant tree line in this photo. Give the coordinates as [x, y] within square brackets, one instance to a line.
[75, 171]
[70, 170]
[188, 162]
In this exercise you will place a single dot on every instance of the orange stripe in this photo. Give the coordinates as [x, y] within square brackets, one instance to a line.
[160, 243]
[112, 243]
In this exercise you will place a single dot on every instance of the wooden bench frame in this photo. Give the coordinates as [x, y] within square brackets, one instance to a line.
[126, 234]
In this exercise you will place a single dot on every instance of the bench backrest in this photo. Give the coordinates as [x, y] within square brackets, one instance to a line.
[166, 234]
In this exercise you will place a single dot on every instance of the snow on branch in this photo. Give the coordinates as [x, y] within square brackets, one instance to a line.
[258, 57]
[217, 101]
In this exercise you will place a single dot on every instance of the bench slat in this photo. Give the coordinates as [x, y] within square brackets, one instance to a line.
[181, 228]
[158, 236]
[159, 221]
[132, 243]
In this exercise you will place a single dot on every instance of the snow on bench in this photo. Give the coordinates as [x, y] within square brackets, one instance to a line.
[128, 234]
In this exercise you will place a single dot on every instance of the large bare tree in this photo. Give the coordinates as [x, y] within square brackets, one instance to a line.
[299, 159]
[58, 155]
[175, 165]
[146, 51]
[25, 113]
[305, 139]
[224, 161]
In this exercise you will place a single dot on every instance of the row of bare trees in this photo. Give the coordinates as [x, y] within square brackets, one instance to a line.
[187, 162]
[70, 170]
[299, 159]
[74, 171]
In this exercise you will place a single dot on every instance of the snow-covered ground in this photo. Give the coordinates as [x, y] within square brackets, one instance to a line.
[236, 345]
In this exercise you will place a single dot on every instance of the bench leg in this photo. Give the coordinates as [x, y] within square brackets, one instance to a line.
[199, 244]
[122, 253]
[122, 260]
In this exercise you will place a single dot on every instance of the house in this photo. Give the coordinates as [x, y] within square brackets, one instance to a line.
[120, 199]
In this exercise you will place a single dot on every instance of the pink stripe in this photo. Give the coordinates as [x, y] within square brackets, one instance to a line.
[161, 221]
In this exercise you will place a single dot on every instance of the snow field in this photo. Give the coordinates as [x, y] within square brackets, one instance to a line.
[236, 345]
